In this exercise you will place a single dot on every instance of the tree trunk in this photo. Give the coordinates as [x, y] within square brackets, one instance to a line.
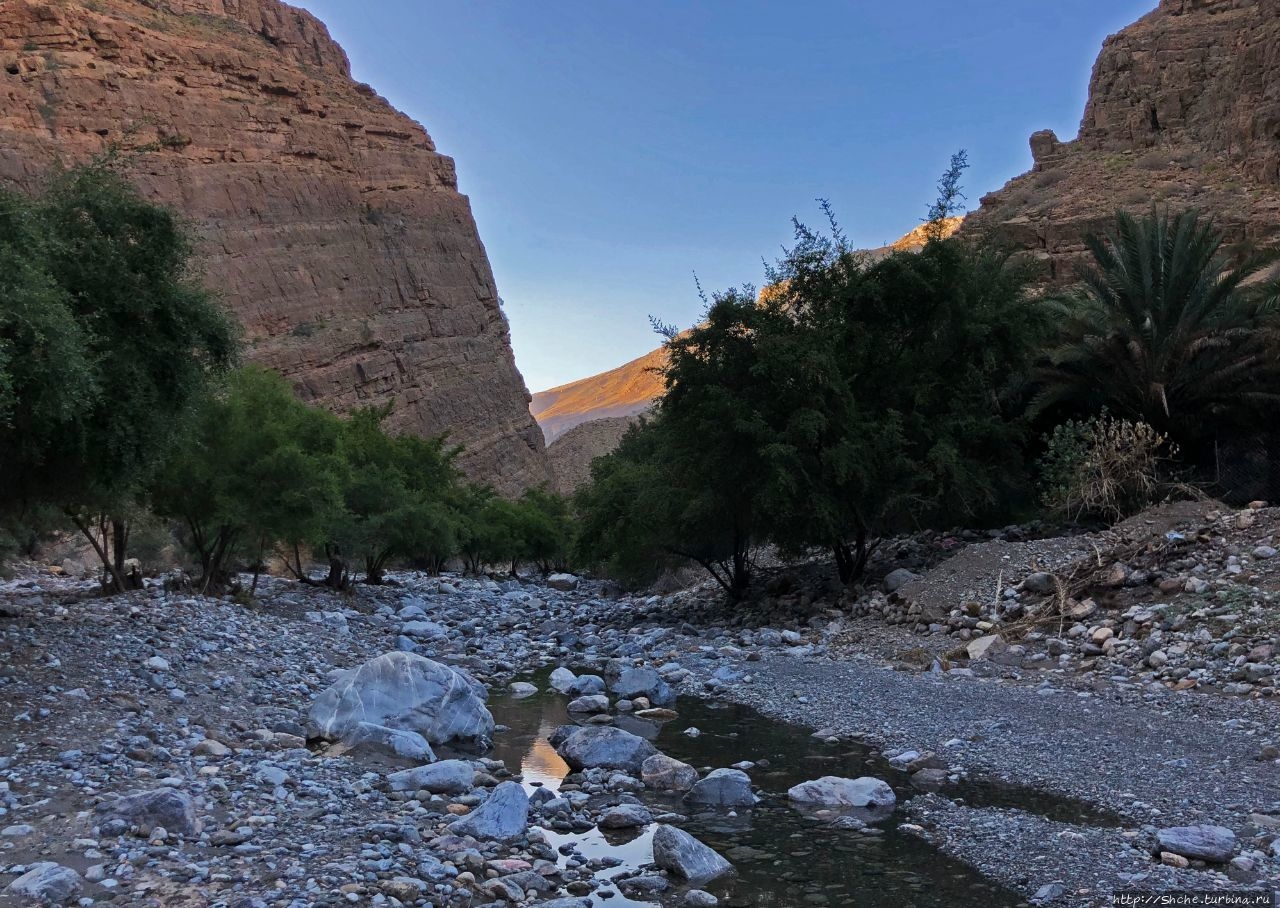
[337, 578]
[112, 580]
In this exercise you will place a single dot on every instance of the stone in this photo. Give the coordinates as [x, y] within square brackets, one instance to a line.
[699, 898]
[47, 883]
[502, 817]
[1049, 892]
[210, 748]
[898, 578]
[864, 793]
[522, 689]
[169, 808]
[1202, 843]
[424, 630]
[406, 692]
[1264, 552]
[329, 222]
[644, 682]
[624, 816]
[584, 685]
[722, 788]
[605, 747]
[366, 737]
[667, 773]
[986, 647]
[680, 854]
[157, 664]
[594, 703]
[560, 679]
[565, 583]
[445, 777]
[1040, 583]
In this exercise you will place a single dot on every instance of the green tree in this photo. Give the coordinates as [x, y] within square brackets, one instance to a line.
[396, 494]
[258, 468]
[907, 390]
[1163, 329]
[125, 338]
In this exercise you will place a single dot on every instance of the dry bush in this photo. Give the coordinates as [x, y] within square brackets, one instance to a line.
[1104, 467]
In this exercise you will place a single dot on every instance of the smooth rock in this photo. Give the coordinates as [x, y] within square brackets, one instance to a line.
[605, 747]
[1203, 843]
[722, 788]
[47, 883]
[407, 692]
[864, 793]
[679, 853]
[445, 777]
[502, 817]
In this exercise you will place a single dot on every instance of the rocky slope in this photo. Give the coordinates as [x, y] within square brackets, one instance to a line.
[1182, 111]
[326, 219]
[571, 453]
[624, 391]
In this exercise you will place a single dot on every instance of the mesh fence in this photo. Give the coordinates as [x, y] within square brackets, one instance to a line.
[1248, 468]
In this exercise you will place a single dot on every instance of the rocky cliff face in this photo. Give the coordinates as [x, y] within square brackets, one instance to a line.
[326, 219]
[1183, 110]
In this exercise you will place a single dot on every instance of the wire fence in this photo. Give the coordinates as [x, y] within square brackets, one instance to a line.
[1248, 468]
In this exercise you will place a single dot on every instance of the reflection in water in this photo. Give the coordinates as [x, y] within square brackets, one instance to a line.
[783, 858]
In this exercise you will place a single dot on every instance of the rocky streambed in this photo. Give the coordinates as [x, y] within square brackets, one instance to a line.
[166, 750]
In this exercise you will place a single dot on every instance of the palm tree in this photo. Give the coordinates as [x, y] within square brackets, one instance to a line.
[1164, 329]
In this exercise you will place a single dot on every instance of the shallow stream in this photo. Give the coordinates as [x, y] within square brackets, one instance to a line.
[782, 856]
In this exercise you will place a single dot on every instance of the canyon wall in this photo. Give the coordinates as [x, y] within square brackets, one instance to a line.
[1183, 111]
[326, 220]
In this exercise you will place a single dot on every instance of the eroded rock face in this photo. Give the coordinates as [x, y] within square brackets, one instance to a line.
[1182, 111]
[326, 219]
[405, 692]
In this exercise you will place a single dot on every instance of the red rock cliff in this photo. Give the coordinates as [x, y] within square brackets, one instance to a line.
[1183, 110]
[326, 219]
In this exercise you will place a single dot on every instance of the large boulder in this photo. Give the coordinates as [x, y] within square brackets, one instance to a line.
[445, 777]
[679, 853]
[644, 682]
[1201, 843]
[667, 773]
[502, 817]
[168, 808]
[605, 747]
[406, 692]
[865, 793]
[722, 788]
[47, 883]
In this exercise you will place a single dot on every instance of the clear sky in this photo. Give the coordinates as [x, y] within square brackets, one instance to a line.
[612, 149]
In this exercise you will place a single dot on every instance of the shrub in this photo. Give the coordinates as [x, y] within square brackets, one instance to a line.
[1103, 467]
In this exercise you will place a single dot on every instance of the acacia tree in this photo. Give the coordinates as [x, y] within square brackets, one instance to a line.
[395, 499]
[258, 468]
[120, 331]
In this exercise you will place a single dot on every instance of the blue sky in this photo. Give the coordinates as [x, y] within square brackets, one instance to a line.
[613, 149]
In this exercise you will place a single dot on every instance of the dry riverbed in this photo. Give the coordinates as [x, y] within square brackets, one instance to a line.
[210, 699]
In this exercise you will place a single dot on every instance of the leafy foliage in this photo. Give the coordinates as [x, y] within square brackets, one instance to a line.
[257, 468]
[1165, 330]
[109, 338]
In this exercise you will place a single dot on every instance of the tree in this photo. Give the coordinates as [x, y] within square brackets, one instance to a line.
[125, 339]
[545, 529]
[396, 493]
[908, 405]
[257, 468]
[1163, 329]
